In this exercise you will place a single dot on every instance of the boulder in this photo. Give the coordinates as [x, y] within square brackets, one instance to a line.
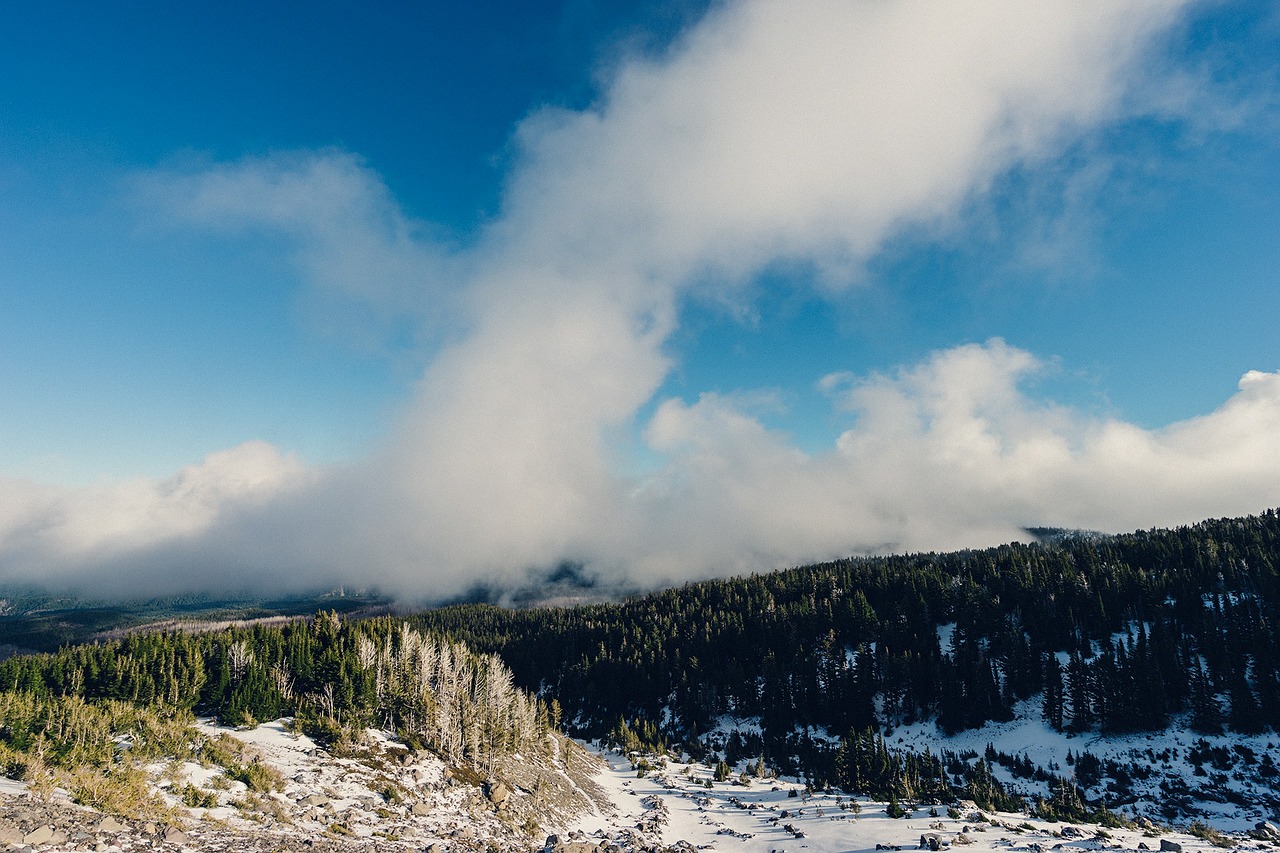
[44, 835]
[9, 833]
[577, 847]
[110, 824]
[1167, 846]
[1267, 828]
[420, 810]
[497, 793]
[315, 800]
[173, 835]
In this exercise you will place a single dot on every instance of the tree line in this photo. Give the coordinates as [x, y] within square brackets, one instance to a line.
[1109, 634]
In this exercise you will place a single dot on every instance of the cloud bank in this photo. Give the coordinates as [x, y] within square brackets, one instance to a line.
[808, 133]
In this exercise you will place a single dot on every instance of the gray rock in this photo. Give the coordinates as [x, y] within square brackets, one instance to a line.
[1167, 846]
[1267, 828]
[577, 847]
[420, 810]
[110, 824]
[44, 835]
[315, 800]
[497, 793]
[9, 833]
[173, 835]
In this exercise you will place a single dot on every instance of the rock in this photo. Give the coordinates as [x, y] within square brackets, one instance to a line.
[576, 847]
[420, 810]
[497, 793]
[173, 835]
[149, 828]
[1142, 845]
[315, 800]
[1072, 832]
[110, 824]
[9, 833]
[44, 835]
[1167, 846]
[1267, 828]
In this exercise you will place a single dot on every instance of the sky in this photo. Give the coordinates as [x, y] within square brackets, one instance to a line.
[421, 296]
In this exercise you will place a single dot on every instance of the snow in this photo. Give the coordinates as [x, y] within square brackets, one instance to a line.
[946, 637]
[670, 805]
[773, 816]
[1028, 735]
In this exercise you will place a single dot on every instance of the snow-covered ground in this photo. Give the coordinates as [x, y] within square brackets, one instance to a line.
[388, 797]
[1231, 782]
[772, 816]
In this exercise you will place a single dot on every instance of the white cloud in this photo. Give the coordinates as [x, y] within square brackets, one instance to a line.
[56, 535]
[808, 131]
[355, 247]
[946, 454]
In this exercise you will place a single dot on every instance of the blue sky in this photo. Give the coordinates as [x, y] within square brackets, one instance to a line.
[314, 230]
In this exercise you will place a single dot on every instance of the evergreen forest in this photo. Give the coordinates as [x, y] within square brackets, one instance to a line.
[1109, 634]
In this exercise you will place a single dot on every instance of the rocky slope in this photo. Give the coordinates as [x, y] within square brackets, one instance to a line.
[381, 795]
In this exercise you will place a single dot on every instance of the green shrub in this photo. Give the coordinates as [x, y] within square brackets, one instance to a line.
[257, 776]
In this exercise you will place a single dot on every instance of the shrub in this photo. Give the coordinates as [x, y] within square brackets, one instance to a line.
[257, 776]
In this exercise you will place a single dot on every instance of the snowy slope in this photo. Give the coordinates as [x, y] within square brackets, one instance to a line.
[1226, 781]
[385, 796]
[672, 806]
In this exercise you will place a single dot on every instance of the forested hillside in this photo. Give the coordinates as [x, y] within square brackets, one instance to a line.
[1105, 635]
[1115, 633]
[337, 677]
